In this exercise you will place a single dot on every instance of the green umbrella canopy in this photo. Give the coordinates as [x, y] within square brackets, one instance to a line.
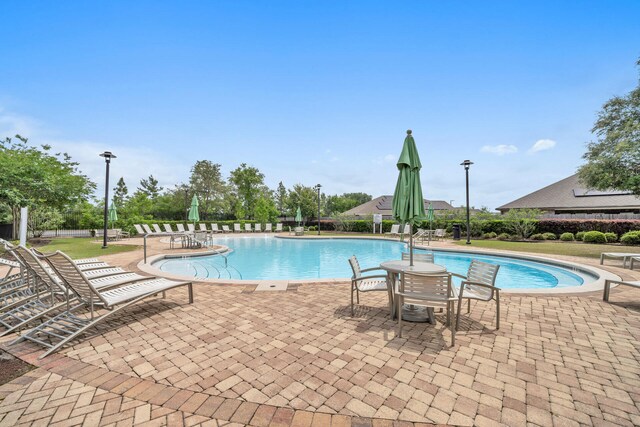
[408, 203]
[113, 213]
[194, 215]
[298, 215]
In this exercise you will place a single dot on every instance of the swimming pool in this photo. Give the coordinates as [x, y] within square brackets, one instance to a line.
[270, 258]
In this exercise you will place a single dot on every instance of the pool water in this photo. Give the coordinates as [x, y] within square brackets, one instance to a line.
[270, 258]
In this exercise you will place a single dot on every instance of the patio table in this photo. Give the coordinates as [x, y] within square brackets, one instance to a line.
[393, 269]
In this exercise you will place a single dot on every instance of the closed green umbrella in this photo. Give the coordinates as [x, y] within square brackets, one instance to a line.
[408, 203]
[430, 219]
[194, 215]
[298, 216]
[113, 213]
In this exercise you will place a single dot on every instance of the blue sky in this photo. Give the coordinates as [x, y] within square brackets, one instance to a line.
[319, 92]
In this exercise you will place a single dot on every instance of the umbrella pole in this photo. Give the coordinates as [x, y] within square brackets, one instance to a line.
[410, 245]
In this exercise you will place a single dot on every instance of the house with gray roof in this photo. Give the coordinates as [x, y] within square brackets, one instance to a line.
[568, 198]
[383, 205]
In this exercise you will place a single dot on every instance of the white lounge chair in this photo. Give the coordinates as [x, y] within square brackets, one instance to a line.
[368, 283]
[215, 229]
[625, 256]
[191, 227]
[427, 290]
[267, 228]
[439, 234]
[68, 325]
[225, 229]
[479, 284]
[139, 229]
[147, 229]
[203, 227]
[180, 228]
[608, 283]
[247, 228]
[395, 231]
[406, 230]
[257, 228]
[236, 228]
[157, 229]
[279, 227]
[168, 229]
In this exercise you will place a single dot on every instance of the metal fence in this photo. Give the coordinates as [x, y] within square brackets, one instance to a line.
[622, 215]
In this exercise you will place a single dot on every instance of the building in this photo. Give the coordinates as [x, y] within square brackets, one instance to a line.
[568, 198]
[383, 205]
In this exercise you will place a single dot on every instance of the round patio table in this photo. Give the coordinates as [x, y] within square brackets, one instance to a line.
[410, 313]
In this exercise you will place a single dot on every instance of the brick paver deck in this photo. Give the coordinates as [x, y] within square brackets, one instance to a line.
[240, 357]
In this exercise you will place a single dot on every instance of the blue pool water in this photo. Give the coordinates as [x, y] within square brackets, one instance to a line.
[270, 258]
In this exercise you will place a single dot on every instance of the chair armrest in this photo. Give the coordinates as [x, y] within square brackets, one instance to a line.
[371, 269]
[458, 275]
[467, 282]
[370, 277]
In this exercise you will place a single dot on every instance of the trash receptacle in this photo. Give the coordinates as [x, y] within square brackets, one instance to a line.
[456, 231]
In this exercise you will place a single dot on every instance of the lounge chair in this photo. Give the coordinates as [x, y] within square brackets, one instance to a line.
[618, 255]
[68, 325]
[267, 228]
[191, 227]
[247, 228]
[419, 257]
[168, 229]
[148, 230]
[395, 231]
[608, 283]
[215, 229]
[427, 290]
[439, 234]
[257, 228]
[139, 229]
[157, 229]
[236, 228]
[203, 227]
[225, 229]
[180, 228]
[368, 283]
[406, 230]
[479, 284]
[279, 227]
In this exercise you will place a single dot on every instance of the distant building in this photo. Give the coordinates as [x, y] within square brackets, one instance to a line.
[568, 198]
[383, 205]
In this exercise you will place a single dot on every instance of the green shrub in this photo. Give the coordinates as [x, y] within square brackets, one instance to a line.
[594, 237]
[550, 236]
[490, 235]
[504, 236]
[567, 237]
[611, 237]
[537, 236]
[580, 235]
[630, 238]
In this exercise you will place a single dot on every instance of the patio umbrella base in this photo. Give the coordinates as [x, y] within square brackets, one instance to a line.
[412, 313]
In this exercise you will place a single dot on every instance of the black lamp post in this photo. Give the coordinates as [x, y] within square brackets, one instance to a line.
[107, 159]
[318, 187]
[467, 164]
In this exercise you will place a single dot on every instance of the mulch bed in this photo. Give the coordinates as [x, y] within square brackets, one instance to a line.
[12, 368]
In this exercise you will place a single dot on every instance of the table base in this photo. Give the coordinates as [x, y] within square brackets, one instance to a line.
[412, 313]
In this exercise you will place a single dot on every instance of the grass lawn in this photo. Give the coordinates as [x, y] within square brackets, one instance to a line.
[551, 247]
[84, 248]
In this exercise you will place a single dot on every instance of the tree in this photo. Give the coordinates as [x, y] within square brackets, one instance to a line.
[265, 210]
[339, 204]
[248, 183]
[31, 176]
[613, 161]
[150, 187]
[304, 197]
[120, 193]
[281, 198]
[206, 181]
[522, 222]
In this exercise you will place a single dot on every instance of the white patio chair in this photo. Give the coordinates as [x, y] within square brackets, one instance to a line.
[625, 256]
[203, 227]
[406, 230]
[225, 229]
[257, 228]
[439, 234]
[168, 229]
[191, 227]
[395, 231]
[608, 283]
[139, 229]
[479, 285]
[268, 228]
[68, 325]
[180, 228]
[279, 227]
[215, 229]
[247, 228]
[432, 290]
[368, 283]
[157, 229]
[419, 257]
[147, 230]
[236, 228]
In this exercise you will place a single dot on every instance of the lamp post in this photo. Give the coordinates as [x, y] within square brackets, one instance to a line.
[108, 155]
[467, 164]
[318, 187]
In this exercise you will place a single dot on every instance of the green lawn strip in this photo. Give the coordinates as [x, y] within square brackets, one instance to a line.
[586, 250]
[84, 248]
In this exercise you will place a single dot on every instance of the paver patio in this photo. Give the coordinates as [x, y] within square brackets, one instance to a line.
[243, 357]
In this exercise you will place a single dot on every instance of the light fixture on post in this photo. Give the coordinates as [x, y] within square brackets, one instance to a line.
[108, 155]
[467, 164]
[317, 188]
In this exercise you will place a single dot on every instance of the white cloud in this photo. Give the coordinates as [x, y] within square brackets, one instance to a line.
[388, 159]
[500, 150]
[542, 145]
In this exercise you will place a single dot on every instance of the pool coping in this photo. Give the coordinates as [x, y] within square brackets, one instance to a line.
[597, 285]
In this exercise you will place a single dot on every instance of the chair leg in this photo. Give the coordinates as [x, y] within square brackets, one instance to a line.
[454, 326]
[468, 306]
[399, 311]
[497, 309]
[607, 287]
[351, 299]
[190, 286]
[459, 307]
